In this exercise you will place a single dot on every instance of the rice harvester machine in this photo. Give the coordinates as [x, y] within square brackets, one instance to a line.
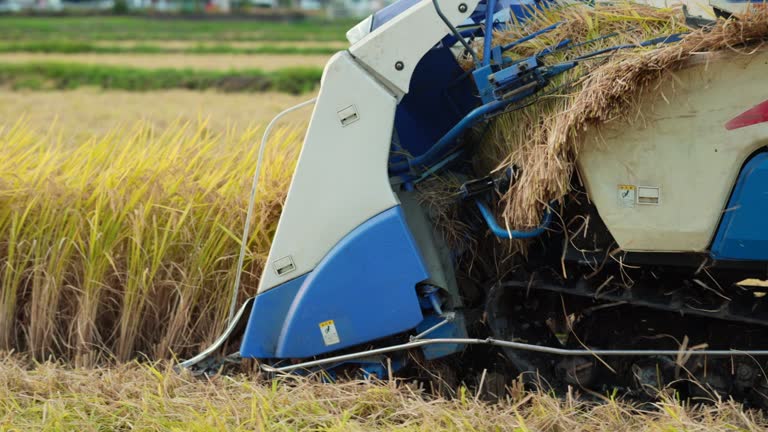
[640, 277]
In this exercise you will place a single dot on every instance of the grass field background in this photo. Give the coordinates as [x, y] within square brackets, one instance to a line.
[145, 53]
[163, 29]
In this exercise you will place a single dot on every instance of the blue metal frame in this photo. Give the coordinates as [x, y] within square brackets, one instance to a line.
[437, 80]
[488, 37]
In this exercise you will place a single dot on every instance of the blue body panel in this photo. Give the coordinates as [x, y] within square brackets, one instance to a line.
[441, 95]
[743, 231]
[366, 285]
[267, 318]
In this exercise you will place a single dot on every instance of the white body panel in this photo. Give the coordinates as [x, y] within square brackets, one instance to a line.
[736, 7]
[341, 178]
[407, 38]
[681, 146]
[699, 8]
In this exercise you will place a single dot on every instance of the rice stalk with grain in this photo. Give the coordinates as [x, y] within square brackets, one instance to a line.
[124, 245]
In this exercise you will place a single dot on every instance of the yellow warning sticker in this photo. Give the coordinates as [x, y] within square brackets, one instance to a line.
[328, 330]
[627, 195]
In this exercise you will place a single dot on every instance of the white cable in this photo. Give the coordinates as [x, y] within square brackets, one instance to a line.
[252, 201]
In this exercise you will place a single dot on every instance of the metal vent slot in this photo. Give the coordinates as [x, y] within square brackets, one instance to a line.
[284, 265]
[348, 115]
[648, 195]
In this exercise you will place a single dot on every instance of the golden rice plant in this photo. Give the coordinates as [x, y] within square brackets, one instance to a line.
[125, 244]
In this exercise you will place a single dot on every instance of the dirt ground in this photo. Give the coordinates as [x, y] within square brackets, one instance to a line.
[84, 112]
[177, 61]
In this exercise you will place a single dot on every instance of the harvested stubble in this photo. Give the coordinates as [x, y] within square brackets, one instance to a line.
[151, 397]
[125, 245]
[544, 139]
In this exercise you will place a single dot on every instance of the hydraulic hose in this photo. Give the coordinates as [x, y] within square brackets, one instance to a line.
[252, 201]
[500, 232]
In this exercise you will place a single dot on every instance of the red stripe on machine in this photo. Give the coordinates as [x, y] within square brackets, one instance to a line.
[752, 116]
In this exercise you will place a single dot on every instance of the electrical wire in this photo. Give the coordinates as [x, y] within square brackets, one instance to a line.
[252, 201]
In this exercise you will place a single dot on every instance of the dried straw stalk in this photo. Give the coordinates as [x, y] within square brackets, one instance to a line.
[545, 139]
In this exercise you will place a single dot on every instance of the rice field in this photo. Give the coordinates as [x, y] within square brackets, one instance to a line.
[135, 221]
[120, 207]
[133, 225]
[151, 397]
[145, 53]
[148, 28]
[174, 47]
[120, 213]
[171, 44]
[77, 115]
[217, 62]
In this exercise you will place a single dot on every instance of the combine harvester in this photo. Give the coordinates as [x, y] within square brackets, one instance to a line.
[359, 280]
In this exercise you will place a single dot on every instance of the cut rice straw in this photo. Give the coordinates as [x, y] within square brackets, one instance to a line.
[544, 139]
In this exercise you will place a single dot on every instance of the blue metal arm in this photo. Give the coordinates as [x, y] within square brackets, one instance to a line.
[500, 232]
[499, 86]
[438, 150]
[550, 50]
[488, 40]
[530, 36]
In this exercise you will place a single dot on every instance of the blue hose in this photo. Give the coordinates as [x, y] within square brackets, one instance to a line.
[500, 232]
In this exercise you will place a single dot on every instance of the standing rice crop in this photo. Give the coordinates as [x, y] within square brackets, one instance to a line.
[124, 245]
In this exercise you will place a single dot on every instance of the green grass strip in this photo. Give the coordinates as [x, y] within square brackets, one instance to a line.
[154, 29]
[62, 76]
[77, 47]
